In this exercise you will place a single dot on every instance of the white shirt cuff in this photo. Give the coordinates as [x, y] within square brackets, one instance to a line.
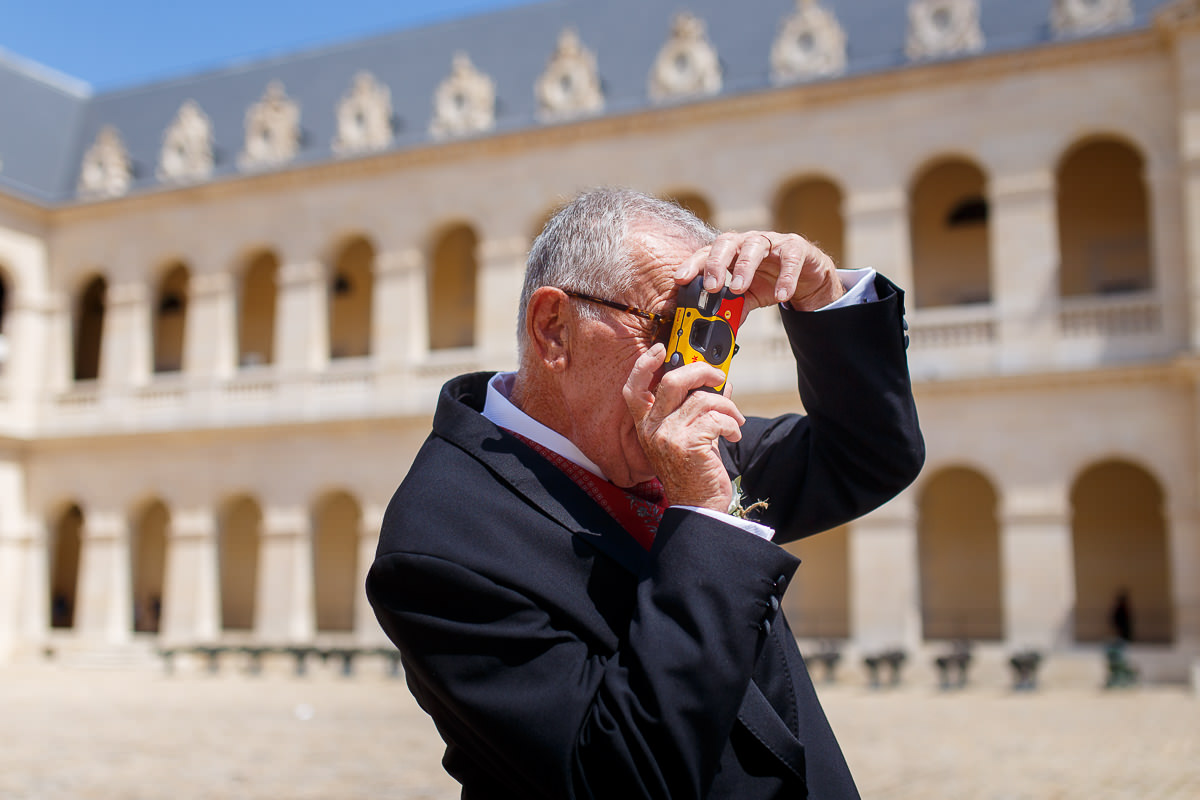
[761, 531]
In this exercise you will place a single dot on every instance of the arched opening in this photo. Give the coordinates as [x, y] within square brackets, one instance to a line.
[170, 320]
[350, 301]
[337, 520]
[256, 311]
[240, 531]
[817, 603]
[959, 557]
[452, 288]
[89, 329]
[812, 207]
[693, 202]
[950, 236]
[1103, 221]
[1119, 536]
[148, 565]
[66, 545]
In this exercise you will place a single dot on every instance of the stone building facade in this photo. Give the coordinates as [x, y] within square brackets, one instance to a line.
[228, 301]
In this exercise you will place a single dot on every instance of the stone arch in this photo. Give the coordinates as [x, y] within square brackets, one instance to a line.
[950, 231]
[239, 531]
[694, 202]
[257, 299]
[1103, 219]
[350, 292]
[66, 547]
[336, 522]
[812, 207]
[170, 318]
[817, 603]
[89, 327]
[958, 552]
[1119, 540]
[148, 564]
[453, 284]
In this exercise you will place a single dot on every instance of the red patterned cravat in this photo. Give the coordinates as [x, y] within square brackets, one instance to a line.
[638, 509]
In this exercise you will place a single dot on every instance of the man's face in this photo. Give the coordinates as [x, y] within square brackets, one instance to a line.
[604, 353]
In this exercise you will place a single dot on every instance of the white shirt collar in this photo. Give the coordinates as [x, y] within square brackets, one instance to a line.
[501, 411]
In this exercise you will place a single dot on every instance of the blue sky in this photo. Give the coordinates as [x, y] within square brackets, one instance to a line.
[115, 43]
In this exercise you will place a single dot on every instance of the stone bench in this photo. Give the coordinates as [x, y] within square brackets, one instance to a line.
[952, 667]
[893, 660]
[1025, 666]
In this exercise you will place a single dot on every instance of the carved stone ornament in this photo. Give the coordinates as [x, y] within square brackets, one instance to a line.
[272, 130]
[811, 44]
[464, 103]
[106, 171]
[187, 149]
[364, 117]
[687, 64]
[1075, 17]
[939, 28]
[570, 86]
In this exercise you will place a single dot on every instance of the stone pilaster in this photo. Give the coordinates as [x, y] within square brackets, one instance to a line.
[210, 340]
[302, 324]
[399, 309]
[501, 273]
[1024, 257]
[126, 343]
[105, 602]
[885, 577]
[27, 325]
[366, 627]
[1037, 562]
[285, 611]
[877, 234]
[192, 606]
[1183, 558]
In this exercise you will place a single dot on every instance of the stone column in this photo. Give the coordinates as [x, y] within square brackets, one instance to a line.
[191, 610]
[1024, 258]
[284, 607]
[302, 321]
[105, 597]
[125, 345]
[501, 273]
[877, 234]
[399, 309]
[885, 577]
[210, 340]
[1182, 24]
[27, 325]
[1037, 564]
[1183, 555]
[366, 627]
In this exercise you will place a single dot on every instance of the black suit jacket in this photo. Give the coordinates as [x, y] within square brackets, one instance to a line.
[559, 659]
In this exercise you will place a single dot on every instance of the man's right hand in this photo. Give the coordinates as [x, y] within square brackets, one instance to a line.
[678, 428]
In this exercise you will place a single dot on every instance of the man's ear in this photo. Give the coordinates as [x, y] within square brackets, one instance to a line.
[546, 325]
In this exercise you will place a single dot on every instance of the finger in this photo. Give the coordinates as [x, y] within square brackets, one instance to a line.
[636, 391]
[721, 255]
[753, 249]
[692, 266]
[795, 253]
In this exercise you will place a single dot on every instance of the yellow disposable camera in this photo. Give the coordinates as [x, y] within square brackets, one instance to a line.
[705, 328]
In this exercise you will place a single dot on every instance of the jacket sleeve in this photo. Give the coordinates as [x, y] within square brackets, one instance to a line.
[859, 442]
[546, 707]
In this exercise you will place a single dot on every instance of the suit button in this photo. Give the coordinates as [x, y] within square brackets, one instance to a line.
[765, 627]
[774, 603]
[780, 584]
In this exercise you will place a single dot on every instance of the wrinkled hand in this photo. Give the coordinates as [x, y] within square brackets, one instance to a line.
[769, 267]
[679, 428]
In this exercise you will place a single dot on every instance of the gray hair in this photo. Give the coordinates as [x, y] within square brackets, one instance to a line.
[585, 245]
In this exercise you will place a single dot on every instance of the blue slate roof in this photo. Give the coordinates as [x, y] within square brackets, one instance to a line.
[56, 119]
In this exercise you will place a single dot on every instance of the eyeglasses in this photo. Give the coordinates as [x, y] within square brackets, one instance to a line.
[657, 321]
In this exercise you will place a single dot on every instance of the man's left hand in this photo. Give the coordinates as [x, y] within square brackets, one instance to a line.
[768, 267]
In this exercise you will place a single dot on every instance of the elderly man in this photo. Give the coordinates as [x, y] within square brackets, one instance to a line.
[574, 606]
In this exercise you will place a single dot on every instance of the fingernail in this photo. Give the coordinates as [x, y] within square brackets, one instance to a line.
[737, 284]
[710, 283]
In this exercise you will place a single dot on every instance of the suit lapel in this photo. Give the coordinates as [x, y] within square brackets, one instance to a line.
[540, 483]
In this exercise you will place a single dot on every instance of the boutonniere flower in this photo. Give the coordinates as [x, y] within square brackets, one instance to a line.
[737, 507]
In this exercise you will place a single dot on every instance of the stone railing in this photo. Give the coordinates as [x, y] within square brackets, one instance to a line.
[1137, 314]
[952, 327]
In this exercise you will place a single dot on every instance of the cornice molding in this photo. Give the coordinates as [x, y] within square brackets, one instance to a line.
[1182, 371]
